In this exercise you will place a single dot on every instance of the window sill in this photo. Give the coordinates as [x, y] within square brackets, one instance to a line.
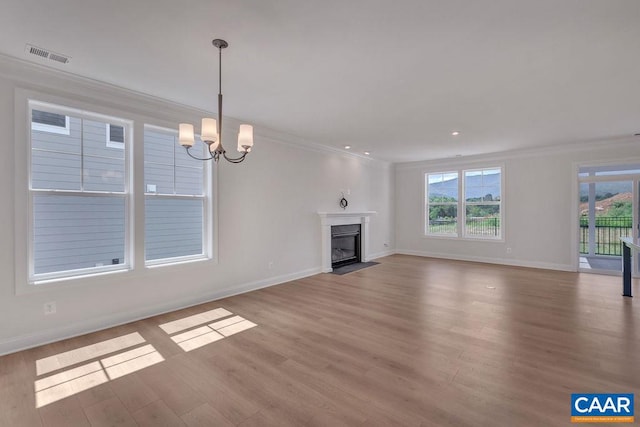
[176, 261]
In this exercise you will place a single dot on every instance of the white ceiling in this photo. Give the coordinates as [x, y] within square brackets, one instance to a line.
[390, 77]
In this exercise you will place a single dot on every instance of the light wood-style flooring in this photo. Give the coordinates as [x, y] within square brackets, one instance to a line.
[410, 342]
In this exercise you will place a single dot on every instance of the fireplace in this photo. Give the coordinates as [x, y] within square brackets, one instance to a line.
[345, 244]
[330, 219]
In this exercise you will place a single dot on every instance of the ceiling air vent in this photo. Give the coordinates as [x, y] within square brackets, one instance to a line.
[47, 54]
[59, 58]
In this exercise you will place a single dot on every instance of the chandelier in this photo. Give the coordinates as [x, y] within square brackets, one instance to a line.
[211, 130]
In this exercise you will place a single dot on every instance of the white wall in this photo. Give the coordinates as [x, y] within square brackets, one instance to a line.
[266, 214]
[540, 204]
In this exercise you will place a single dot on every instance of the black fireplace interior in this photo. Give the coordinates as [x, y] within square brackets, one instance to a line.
[345, 244]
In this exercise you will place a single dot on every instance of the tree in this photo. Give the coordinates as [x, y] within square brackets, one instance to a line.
[620, 209]
[442, 211]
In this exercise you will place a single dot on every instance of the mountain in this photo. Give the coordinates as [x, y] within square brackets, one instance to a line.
[606, 189]
[491, 185]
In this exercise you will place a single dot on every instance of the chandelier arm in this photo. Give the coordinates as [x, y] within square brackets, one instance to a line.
[237, 159]
[197, 158]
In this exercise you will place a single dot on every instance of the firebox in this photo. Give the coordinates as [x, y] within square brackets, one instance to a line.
[345, 244]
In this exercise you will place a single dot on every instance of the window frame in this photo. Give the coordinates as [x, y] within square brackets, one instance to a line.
[462, 204]
[126, 194]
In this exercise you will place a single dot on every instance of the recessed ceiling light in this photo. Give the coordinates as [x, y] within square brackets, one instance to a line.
[366, 153]
[455, 133]
[347, 147]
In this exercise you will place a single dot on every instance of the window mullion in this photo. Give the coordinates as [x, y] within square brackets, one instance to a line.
[462, 214]
[82, 154]
[174, 168]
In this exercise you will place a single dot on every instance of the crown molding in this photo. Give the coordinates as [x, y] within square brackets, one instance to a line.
[572, 147]
[30, 75]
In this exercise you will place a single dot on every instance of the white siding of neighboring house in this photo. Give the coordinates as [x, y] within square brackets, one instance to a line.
[77, 231]
[173, 225]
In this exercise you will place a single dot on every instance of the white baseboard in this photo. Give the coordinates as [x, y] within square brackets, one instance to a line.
[380, 254]
[47, 336]
[500, 261]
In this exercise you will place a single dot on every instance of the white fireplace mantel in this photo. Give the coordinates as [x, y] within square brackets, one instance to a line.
[327, 219]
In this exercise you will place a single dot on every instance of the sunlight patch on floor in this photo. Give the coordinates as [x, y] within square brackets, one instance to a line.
[82, 354]
[236, 327]
[203, 335]
[127, 354]
[131, 361]
[67, 376]
[195, 320]
[80, 378]
[199, 341]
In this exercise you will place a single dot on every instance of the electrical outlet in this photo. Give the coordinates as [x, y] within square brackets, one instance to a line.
[50, 307]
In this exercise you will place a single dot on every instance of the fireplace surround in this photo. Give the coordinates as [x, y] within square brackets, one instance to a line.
[329, 219]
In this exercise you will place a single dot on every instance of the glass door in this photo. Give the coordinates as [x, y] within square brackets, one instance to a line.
[608, 210]
[636, 225]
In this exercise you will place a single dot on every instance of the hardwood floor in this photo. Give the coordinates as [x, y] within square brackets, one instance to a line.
[409, 342]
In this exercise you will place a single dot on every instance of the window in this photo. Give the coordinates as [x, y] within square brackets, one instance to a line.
[442, 203]
[477, 215]
[49, 122]
[175, 199]
[482, 199]
[78, 191]
[115, 136]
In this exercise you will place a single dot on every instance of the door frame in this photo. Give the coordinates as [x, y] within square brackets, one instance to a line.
[635, 180]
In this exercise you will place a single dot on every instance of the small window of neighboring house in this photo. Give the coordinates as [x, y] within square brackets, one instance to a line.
[49, 122]
[115, 136]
